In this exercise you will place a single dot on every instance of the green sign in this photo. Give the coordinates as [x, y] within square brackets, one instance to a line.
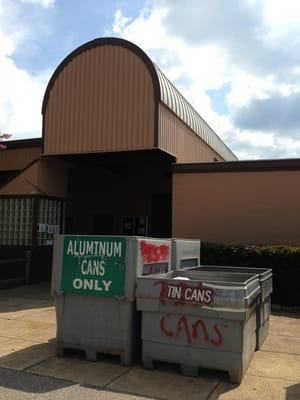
[94, 265]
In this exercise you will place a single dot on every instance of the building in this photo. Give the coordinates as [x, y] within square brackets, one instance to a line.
[115, 157]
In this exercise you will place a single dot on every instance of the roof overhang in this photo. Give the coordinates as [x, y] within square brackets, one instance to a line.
[291, 164]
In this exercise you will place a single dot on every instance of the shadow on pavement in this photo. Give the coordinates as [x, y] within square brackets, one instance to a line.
[21, 359]
[29, 383]
[25, 297]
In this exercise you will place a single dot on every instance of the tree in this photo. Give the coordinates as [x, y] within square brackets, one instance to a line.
[4, 136]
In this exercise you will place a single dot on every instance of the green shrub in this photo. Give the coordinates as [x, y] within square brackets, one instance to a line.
[283, 260]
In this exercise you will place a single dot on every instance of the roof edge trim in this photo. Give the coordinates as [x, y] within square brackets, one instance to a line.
[290, 164]
[22, 143]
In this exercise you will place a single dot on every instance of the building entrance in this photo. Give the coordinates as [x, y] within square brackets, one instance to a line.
[121, 196]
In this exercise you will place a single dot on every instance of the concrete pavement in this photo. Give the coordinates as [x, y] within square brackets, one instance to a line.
[29, 368]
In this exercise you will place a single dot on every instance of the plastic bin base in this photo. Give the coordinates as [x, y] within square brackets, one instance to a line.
[164, 339]
[91, 354]
[236, 364]
[97, 325]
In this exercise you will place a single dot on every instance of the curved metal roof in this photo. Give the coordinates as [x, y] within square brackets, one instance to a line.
[164, 91]
[172, 98]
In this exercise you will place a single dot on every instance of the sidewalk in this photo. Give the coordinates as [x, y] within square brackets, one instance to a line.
[29, 368]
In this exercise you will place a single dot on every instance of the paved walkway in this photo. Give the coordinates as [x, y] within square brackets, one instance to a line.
[29, 368]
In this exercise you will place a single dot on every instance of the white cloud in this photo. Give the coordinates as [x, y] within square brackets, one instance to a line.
[280, 13]
[21, 92]
[246, 86]
[42, 3]
[20, 100]
[6, 45]
[250, 50]
[194, 70]
[120, 22]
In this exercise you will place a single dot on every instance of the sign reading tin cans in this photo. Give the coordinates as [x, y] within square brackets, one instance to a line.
[181, 293]
[94, 265]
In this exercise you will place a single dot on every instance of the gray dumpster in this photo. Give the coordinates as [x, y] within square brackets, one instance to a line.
[185, 253]
[199, 320]
[264, 306]
[93, 284]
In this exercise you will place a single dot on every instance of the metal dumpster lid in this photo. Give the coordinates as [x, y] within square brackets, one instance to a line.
[227, 278]
[263, 272]
[233, 290]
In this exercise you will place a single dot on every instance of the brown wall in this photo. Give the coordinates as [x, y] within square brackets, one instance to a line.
[178, 139]
[102, 100]
[238, 207]
[22, 183]
[53, 178]
[47, 177]
[15, 159]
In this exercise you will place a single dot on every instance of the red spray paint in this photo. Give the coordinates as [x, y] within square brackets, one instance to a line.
[152, 253]
[190, 331]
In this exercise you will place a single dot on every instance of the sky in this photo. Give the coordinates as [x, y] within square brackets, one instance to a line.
[236, 61]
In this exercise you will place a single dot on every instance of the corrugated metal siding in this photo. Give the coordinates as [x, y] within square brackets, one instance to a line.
[237, 207]
[103, 100]
[178, 139]
[182, 108]
[15, 159]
